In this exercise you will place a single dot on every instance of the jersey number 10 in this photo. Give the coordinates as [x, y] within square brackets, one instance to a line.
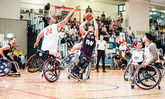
[48, 31]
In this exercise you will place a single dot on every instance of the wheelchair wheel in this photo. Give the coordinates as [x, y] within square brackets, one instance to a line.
[127, 73]
[147, 78]
[69, 60]
[86, 73]
[51, 70]
[33, 64]
[93, 63]
[5, 67]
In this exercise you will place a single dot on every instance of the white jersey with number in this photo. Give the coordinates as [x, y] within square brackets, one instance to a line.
[51, 37]
[148, 54]
[137, 56]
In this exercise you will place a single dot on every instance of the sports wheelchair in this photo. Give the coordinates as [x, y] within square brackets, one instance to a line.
[69, 62]
[6, 66]
[43, 61]
[36, 61]
[149, 77]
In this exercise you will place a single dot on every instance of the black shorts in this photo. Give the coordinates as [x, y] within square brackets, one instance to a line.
[83, 61]
[140, 63]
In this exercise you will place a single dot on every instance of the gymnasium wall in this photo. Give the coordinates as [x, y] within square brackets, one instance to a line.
[98, 7]
[18, 28]
[138, 15]
[10, 9]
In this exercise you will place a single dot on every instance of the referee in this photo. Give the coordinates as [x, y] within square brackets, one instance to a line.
[101, 46]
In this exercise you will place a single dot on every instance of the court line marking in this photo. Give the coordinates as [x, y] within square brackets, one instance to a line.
[29, 93]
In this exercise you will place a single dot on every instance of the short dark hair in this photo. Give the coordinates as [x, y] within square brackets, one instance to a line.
[12, 38]
[149, 36]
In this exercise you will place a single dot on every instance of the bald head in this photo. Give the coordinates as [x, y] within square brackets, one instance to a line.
[52, 20]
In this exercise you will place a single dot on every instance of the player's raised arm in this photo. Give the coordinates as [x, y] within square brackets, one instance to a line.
[81, 27]
[96, 27]
[65, 21]
[76, 48]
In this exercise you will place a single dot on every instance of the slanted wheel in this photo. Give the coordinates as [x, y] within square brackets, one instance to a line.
[5, 67]
[86, 73]
[34, 64]
[93, 63]
[69, 60]
[147, 78]
[51, 70]
[127, 73]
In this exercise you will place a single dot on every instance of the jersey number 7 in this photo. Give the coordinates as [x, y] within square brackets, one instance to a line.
[48, 31]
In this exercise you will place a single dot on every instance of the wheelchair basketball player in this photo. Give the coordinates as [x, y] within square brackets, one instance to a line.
[6, 50]
[137, 57]
[86, 47]
[51, 36]
[150, 53]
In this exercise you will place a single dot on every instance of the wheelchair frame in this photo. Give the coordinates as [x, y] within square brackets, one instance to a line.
[9, 73]
[146, 76]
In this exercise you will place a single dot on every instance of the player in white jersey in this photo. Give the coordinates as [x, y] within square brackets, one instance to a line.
[137, 57]
[51, 35]
[150, 53]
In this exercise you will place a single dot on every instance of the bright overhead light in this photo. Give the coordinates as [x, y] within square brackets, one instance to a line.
[153, 9]
[10, 35]
[91, 0]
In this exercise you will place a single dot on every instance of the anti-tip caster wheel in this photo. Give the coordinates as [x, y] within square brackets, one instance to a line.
[19, 75]
[132, 86]
[68, 77]
[159, 87]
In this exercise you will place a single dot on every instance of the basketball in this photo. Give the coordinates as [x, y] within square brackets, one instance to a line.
[89, 16]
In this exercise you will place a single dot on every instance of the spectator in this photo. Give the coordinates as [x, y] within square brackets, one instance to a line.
[58, 54]
[117, 60]
[98, 19]
[121, 18]
[123, 46]
[119, 25]
[74, 30]
[123, 57]
[118, 41]
[45, 20]
[110, 31]
[115, 25]
[103, 15]
[89, 9]
[109, 21]
[61, 33]
[72, 41]
[104, 30]
[134, 44]
[122, 35]
[129, 29]
[47, 8]
[68, 28]
[111, 41]
[64, 40]
[18, 57]
[111, 25]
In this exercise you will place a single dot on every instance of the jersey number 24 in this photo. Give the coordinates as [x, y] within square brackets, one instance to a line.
[48, 31]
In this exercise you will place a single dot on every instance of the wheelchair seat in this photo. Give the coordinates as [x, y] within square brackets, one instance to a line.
[42, 54]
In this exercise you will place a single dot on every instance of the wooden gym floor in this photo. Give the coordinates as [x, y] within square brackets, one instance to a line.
[100, 86]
